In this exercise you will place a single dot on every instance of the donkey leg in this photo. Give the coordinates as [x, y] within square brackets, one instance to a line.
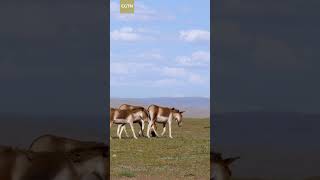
[169, 123]
[139, 134]
[123, 128]
[118, 130]
[132, 129]
[141, 123]
[164, 129]
[154, 129]
[149, 127]
[142, 128]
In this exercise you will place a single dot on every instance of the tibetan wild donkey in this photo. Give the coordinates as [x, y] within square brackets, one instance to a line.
[92, 156]
[16, 164]
[125, 107]
[163, 115]
[220, 167]
[128, 116]
[128, 106]
[132, 107]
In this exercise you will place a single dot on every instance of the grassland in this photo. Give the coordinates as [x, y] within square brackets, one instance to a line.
[186, 156]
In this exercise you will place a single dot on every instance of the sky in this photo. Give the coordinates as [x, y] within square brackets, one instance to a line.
[162, 50]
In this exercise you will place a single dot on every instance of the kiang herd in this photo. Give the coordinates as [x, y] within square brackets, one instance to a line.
[55, 158]
[130, 114]
[52, 157]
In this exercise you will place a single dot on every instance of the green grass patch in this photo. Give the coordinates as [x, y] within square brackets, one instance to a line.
[128, 174]
[186, 155]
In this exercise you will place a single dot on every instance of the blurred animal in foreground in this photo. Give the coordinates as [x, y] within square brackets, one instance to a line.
[52, 143]
[220, 169]
[92, 156]
[17, 164]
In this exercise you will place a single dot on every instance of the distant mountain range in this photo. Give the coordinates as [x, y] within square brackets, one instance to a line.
[195, 107]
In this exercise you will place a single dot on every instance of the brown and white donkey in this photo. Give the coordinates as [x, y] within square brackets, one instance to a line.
[132, 107]
[163, 115]
[128, 116]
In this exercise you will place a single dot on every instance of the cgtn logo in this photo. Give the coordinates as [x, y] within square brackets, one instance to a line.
[126, 6]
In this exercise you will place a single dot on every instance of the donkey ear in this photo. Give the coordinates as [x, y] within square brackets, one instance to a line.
[182, 112]
[228, 161]
[172, 108]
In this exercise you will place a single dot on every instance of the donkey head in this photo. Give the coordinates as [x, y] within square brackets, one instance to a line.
[177, 116]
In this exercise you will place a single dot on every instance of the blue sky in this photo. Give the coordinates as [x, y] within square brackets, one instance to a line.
[162, 50]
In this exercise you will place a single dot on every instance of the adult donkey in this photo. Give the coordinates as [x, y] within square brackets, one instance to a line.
[128, 106]
[16, 164]
[132, 107]
[92, 154]
[128, 116]
[163, 115]
[220, 167]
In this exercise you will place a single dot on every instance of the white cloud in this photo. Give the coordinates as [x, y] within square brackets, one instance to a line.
[150, 56]
[174, 72]
[198, 58]
[165, 82]
[153, 74]
[196, 79]
[195, 35]
[125, 34]
[142, 12]
[130, 34]
[131, 68]
[201, 56]
[119, 68]
[183, 75]
[114, 6]
[128, 74]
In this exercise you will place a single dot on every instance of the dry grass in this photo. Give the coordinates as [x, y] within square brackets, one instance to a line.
[186, 156]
